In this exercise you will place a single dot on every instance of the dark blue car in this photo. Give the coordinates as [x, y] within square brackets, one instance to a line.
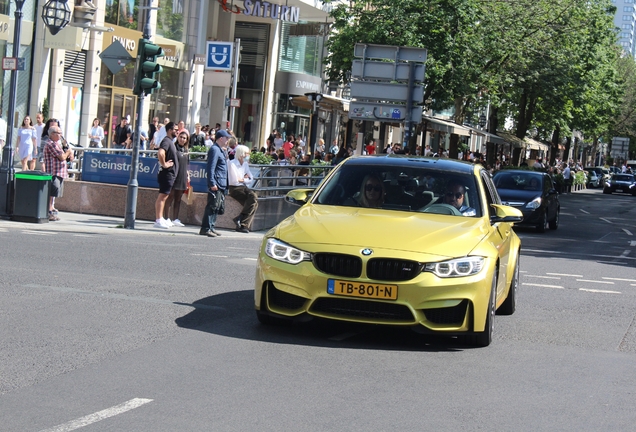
[531, 192]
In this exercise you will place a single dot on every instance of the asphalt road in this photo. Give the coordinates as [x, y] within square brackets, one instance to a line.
[105, 329]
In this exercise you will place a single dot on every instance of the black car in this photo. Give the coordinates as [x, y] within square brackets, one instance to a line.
[531, 192]
[620, 183]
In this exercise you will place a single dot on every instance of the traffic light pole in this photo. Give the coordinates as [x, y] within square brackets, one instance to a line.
[133, 184]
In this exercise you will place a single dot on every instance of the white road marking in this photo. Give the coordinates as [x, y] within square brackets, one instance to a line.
[343, 336]
[99, 415]
[523, 271]
[595, 281]
[564, 274]
[543, 277]
[619, 279]
[625, 253]
[543, 286]
[251, 259]
[628, 232]
[599, 291]
[38, 232]
[3, 230]
[209, 255]
[82, 235]
[632, 243]
[608, 221]
[584, 211]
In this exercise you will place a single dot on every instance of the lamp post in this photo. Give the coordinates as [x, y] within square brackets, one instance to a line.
[312, 141]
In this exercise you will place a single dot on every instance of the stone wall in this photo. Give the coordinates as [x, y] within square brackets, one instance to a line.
[110, 200]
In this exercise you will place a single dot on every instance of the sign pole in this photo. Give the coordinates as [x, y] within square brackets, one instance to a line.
[237, 53]
[133, 184]
[408, 122]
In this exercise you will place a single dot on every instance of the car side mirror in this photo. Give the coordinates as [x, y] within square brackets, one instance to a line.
[299, 197]
[505, 213]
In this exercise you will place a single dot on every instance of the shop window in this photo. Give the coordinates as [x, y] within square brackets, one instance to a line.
[170, 19]
[165, 102]
[301, 48]
[122, 13]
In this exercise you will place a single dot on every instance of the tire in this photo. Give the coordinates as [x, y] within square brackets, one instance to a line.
[544, 220]
[484, 338]
[509, 305]
[554, 223]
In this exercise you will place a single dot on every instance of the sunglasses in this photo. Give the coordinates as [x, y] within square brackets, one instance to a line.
[457, 195]
[370, 188]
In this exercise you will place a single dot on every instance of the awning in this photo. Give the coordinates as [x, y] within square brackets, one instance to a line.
[327, 103]
[437, 124]
[488, 136]
[528, 143]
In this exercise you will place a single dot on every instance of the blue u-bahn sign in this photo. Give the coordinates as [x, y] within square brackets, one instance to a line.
[115, 169]
[219, 55]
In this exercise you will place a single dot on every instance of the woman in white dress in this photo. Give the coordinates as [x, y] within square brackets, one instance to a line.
[27, 142]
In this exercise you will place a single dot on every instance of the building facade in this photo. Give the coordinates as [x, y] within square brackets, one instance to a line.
[281, 56]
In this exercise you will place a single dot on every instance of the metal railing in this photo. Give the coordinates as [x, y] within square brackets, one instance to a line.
[269, 180]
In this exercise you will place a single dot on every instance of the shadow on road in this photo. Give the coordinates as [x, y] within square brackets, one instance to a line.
[232, 314]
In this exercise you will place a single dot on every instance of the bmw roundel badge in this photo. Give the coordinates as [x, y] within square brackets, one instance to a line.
[366, 252]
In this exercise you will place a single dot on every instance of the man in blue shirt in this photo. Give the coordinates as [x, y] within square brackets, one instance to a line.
[216, 170]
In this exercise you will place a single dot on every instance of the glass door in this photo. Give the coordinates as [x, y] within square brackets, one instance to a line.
[121, 105]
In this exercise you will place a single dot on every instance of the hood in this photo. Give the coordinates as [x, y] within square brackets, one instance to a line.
[449, 236]
[514, 195]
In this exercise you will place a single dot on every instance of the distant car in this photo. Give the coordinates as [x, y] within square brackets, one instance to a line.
[594, 177]
[531, 192]
[624, 183]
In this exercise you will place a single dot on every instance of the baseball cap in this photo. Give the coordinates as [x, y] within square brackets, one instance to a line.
[222, 133]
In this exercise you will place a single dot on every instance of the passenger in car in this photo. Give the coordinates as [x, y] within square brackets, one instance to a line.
[371, 192]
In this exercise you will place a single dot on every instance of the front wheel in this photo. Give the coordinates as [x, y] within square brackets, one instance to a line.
[509, 305]
[554, 223]
[542, 222]
[484, 338]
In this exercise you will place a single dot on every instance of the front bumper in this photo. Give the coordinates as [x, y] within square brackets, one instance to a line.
[440, 305]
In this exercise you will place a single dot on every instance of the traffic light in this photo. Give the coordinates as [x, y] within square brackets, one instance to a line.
[147, 67]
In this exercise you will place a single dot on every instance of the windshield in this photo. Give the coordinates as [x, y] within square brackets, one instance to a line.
[518, 181]
[415, 189]
[623, 177]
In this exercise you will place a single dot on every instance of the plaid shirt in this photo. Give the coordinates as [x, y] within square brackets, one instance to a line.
[53, 164]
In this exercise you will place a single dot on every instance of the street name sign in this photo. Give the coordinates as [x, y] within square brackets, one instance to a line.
[388, 52]
[379, 91]
[389, 71]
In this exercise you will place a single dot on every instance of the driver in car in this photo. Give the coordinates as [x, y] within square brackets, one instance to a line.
[455, 196]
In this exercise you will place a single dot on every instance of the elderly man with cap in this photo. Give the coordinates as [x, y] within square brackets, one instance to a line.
[216, 170]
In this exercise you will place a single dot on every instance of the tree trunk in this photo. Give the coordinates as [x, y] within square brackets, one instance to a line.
[554, 148]
[452, 147]
[566, 152]
[491, 149]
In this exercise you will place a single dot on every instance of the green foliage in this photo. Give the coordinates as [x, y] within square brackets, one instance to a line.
[45, 109]
[316, 171]
[198, 149]
[258, 158]
[169, 25]
[579, 178]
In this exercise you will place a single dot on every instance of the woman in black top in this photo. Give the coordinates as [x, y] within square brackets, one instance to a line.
[181, 181]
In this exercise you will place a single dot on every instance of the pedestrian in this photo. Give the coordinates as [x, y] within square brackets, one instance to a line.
[240, 180]
[159, 135]
[39, 127]
[231, 147]
[96, 135]
[370, 148]
[567, 178]
[55, 161]
[123, 132]
[181, 181]
[216, 170]
[198, 137]
[3, 133]
[27, 144]
[152, 128]
[169, 166]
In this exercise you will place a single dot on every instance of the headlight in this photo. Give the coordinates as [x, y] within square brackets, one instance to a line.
[534, 204]
[283, 252]
[458, 267]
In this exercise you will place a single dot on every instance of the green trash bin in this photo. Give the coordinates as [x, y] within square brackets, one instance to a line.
[31, 203]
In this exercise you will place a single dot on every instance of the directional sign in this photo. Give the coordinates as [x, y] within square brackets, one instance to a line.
[115, 57]
[377, 70]
[383, 112]
[388, 52]
[219, 55]
[378, 91]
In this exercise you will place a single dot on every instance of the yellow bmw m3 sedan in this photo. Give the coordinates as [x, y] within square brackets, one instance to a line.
[404, 241]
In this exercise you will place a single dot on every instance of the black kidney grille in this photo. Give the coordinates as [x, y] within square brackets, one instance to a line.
[362, 309]
[392, 269]
[338, 264]
[448, 315]
[284, 300]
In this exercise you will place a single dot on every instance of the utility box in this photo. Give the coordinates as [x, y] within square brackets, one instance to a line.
[31, 203]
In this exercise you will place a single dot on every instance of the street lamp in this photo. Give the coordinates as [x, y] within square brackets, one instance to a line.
[56, 15]
[315, 98]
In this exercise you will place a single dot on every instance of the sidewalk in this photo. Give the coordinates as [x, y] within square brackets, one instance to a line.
[87, 223]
